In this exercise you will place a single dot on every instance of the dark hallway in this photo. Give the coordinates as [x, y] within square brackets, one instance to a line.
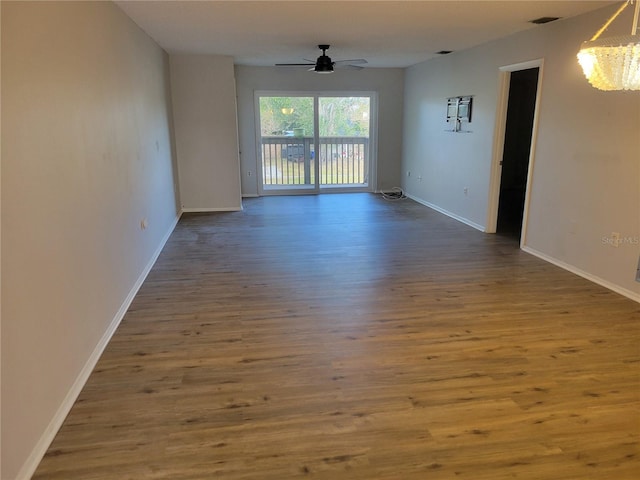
[517, 145]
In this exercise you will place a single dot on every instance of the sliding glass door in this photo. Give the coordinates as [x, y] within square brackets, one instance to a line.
[314, 143]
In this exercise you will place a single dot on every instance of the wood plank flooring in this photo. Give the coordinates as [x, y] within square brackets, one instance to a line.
[348, 337]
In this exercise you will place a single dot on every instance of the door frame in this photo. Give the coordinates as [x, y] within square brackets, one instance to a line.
[504, 84]
[317, 188]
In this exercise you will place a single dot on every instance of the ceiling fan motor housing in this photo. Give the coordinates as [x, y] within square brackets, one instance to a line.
[324, 63]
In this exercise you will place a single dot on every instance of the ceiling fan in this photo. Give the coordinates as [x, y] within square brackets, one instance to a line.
[324, 64]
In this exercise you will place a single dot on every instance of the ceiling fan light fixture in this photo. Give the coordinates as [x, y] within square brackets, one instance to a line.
[323, 69]
[325, 65]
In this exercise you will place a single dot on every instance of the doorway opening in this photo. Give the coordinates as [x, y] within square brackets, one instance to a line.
[514, 149]
[521, 107]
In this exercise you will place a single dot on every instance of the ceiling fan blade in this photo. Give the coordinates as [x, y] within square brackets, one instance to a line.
[324, 64]
[349, 67]
[355, 61]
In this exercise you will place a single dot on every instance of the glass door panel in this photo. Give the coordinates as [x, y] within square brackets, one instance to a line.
[344, 124]
[287, 143]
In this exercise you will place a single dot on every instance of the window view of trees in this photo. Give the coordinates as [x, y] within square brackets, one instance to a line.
[283, 115]
[344, 116]
[293, 116]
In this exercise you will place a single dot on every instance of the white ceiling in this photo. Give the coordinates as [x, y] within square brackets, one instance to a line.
[387, 34]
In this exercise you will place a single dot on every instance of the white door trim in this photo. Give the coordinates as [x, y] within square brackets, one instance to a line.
[498, 144]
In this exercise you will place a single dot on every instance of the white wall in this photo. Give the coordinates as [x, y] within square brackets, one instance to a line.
[586, 174]
[204, 106]
[387, 82]
[86, 156]
[0, 252]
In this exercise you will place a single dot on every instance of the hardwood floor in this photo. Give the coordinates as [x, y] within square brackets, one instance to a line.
[348, 337]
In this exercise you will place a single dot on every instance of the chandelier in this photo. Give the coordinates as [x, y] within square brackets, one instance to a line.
[613, 63]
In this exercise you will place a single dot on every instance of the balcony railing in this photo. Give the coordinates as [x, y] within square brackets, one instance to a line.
[290, 161]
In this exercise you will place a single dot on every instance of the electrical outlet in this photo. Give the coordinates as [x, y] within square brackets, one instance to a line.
[615, 239]
[249, 173]
[419, 178]
[466, 191]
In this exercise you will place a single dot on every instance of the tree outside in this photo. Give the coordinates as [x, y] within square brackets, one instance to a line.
[344, 116]
[283, 115]
[338, 116]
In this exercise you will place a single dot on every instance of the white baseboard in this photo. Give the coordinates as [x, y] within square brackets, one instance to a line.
[445, 212]
[211, 210]
[250, 195]
[38, 452]
[559, 263]
[593, 278]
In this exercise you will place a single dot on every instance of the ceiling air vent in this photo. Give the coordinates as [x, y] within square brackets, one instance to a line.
[541, 20]
[444, 52]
